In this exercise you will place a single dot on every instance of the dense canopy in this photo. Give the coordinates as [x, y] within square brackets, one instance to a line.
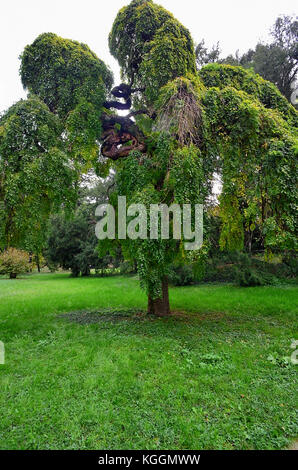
[221, 119]
[35, 175]
[63, 72]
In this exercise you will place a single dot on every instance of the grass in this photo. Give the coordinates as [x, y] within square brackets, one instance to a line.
[216, 375]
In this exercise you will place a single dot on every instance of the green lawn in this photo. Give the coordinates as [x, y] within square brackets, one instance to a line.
[198, 380]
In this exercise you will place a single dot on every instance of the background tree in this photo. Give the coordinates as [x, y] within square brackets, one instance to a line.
[71, 241]
[14, 262]
[205, 56]
[276, 61]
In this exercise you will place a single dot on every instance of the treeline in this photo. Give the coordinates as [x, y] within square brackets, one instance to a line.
[276, 61]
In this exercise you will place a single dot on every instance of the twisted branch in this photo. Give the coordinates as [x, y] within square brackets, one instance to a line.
[121, 134]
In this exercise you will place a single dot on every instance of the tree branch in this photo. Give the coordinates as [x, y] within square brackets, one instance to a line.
[121, 134]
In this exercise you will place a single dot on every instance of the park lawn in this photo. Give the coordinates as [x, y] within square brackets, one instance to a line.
[216, 375]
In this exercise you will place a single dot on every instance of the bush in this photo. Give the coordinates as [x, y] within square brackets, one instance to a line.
[235, 267]
[14, 262]
[291, 262]
[127, 268]
[248, 278]
[181, 275]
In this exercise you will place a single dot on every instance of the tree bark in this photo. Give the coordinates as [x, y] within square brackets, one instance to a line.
[160, 307]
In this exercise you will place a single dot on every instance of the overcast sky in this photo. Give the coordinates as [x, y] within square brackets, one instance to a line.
[235, 24]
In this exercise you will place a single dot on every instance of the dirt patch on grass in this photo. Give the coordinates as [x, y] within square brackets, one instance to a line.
[88, 317]
[187, 316]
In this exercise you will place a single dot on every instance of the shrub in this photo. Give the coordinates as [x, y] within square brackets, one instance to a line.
[127, 268]
[181, 275]
[248, 278]
[291, 262]
[14, 262]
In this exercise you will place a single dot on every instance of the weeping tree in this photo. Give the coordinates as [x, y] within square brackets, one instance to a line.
[35, 175]
[49, 140]
[181, 127]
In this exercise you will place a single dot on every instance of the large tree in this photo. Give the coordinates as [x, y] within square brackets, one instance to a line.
[181, 127]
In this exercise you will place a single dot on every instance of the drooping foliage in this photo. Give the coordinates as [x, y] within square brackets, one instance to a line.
[74, 83]
[63, 73]
[258, 150]
[35, 175]
[222, 76]
[48, 141]
[151, 46]
[222, 119]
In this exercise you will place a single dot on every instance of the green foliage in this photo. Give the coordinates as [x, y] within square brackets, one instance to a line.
[63, 72]
[131, 176]
[14, 262]
[151, 46]
[222, 76]
[259, 166]
[181, 275]
[74, 83]
[186, 177]
[127, 268]
[232, 233]
[251, 273]
[83, 131]
[248, 270]
[72, 244]
[168, 55]
[248, 278]
[35, 174]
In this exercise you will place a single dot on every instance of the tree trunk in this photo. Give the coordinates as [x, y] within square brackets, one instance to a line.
[38, 263]
[86, 272]
[160, 307]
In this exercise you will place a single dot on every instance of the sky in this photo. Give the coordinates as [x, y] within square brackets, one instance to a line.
[237, 25]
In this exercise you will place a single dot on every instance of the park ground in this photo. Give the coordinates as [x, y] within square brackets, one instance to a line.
[85, 368]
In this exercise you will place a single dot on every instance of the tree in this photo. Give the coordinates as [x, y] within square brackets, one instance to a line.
[49, 140]
[204, 57]
[182, 127]
[276, 61]
[71, 241]
[14, 262]
[35, 175]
